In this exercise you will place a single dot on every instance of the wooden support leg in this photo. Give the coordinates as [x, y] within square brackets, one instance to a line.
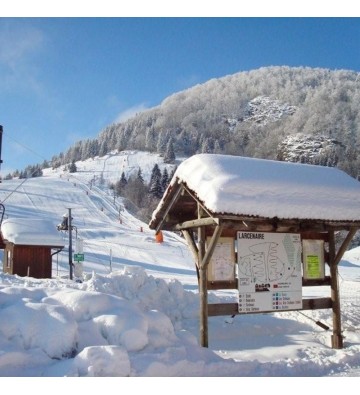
[336, 338]
[204, 338]
[204, 333]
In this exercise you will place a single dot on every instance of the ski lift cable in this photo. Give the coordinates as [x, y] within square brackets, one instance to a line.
[24, 146]
[25, 179]
[14, 190]
[20, 185]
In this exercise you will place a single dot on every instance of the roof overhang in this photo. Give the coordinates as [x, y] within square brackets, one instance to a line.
[179, 211]
[31, 232]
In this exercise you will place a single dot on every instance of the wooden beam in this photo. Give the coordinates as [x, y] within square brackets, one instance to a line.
[211, 246]
[200, 204]
[344, 245]
[213, 285]
[193, 248]
[318, 303]
[173, 200]
[283, 225]
[217, 285]
[191, 243]
[196, 223]
[316, 282]
[218, 309]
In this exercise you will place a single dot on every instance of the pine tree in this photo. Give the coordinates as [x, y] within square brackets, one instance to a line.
[136, 190]
[207, 146]
[121, 185]
[155, 187]
[165, 179]
[217, 147]
[155, 173]
[123, 180]
[161, 144]
[150, 140]
[94, 148]
[103, 150]
[169, 156]
[172, 173]
[72, 167]
[139, 176]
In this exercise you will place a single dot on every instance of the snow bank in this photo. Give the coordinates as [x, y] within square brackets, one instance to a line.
[62, 328]
[97, 331]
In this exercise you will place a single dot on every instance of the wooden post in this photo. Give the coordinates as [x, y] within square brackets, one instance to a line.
[203, 263]
[193, 248]
[204, 341]
[336, 338]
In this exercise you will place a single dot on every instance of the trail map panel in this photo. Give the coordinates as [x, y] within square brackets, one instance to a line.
[269, 271]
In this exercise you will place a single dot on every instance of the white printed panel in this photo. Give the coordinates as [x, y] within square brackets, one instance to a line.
[269, 271]
[222, 263]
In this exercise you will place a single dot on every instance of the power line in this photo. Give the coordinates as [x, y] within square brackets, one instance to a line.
[26, 147]
[35, 170]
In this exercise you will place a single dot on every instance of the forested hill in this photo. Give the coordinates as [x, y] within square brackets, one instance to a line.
[299, 114]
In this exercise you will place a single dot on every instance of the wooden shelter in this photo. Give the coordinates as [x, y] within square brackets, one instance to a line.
[222, 203]
[29, 245]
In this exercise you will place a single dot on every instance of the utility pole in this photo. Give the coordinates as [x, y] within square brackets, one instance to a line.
[70, 245]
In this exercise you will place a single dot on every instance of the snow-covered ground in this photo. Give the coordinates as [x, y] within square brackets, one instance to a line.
[136, 311]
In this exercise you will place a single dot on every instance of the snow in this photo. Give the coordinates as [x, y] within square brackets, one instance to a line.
[135, 312]
[263, 110]
[258, 187]
[31, 231]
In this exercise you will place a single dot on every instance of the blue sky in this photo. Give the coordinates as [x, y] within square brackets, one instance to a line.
[65, 79]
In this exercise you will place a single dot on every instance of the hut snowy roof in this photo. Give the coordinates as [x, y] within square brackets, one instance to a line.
[257, 188]
[35, 232]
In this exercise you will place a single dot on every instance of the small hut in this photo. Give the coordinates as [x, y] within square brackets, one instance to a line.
[29, 245]
[264, 228]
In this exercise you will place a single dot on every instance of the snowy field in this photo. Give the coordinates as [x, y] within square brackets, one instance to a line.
[136, 311]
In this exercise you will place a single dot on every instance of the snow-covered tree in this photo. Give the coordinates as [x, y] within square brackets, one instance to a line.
[121, 185]
[161, 143]
[155, 187]
[169, 155]
[165, 179]
[72, 167]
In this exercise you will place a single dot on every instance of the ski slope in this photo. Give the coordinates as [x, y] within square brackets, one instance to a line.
[112, 237]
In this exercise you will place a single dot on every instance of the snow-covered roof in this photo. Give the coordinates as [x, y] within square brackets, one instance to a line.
[244, 186]
[36, 232]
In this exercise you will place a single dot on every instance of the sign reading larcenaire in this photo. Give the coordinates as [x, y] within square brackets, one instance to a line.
[269, 271]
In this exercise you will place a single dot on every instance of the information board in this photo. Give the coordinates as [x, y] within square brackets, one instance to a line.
[269, 271]
[222, 263]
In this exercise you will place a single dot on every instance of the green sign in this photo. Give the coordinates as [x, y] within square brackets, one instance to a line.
[79, 257]
[313, 266]
[314, 261]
